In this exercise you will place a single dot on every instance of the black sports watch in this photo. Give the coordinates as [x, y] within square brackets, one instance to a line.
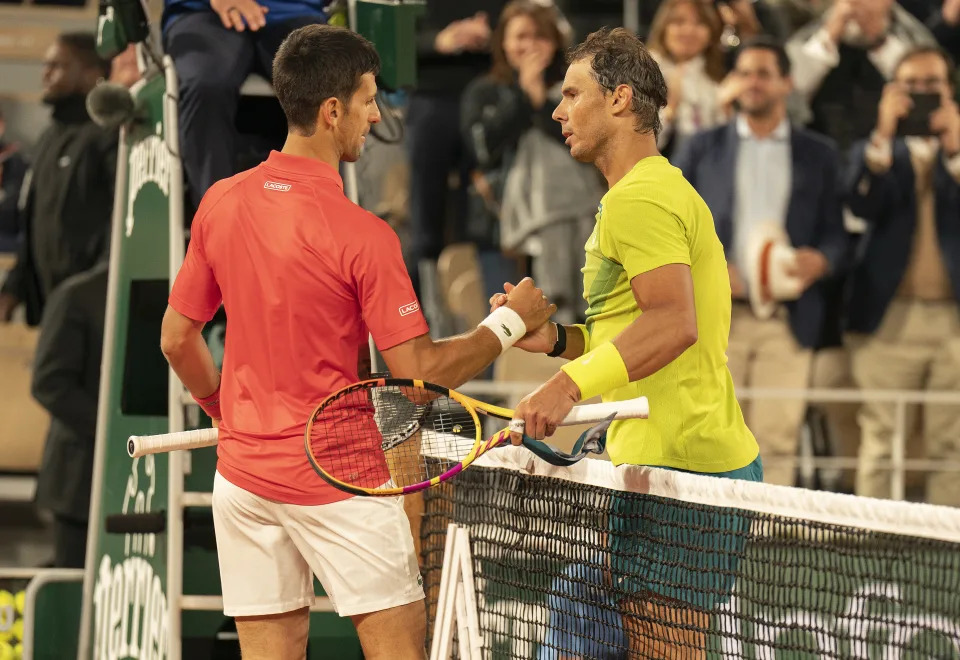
[561, 345]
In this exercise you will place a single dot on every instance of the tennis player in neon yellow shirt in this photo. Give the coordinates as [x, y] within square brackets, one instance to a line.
[658, 321]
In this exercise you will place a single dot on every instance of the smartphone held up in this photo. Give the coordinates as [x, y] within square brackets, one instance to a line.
[917, 121]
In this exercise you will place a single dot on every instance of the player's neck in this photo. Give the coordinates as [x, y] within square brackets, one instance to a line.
[311, 147]
[623, 153]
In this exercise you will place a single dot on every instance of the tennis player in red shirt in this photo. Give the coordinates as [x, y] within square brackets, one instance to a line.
[304, 276]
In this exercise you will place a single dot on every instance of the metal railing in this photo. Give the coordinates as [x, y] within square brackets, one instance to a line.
[898, 463]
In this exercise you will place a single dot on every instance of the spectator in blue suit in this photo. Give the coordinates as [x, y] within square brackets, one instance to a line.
[757, 170]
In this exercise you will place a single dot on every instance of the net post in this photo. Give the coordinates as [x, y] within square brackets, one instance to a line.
[463, 633]
[472, 622]
[443, 624]
[897, 476]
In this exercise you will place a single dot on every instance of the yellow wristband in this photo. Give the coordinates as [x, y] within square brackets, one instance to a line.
[598, 371]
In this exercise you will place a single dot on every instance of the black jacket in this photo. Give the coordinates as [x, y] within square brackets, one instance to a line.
[67, 207]
[845, 103]
[14, 170]
[447, 75]
[930, 12]
[493, 116]
[66, 382]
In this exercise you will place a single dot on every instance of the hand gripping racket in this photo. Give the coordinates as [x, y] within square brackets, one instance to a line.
[388, 437]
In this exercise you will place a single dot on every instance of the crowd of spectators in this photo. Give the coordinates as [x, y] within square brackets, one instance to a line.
[827, 129]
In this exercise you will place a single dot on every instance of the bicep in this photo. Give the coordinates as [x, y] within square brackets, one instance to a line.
[176, 327]
[405, 359]
[669, 286]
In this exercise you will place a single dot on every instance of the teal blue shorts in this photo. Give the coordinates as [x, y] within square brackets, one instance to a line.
[680, 551]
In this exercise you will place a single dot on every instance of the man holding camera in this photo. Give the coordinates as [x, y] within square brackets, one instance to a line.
[905, 182]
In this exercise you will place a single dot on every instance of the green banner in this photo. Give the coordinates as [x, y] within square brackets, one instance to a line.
[127, 601]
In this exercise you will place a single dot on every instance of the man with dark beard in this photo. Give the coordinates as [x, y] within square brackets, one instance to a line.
[784, 176]
[70, 196]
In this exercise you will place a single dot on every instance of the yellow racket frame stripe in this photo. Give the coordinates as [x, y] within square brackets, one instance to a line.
[636, 408]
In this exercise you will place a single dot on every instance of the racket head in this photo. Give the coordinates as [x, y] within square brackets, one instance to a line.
[392, 436]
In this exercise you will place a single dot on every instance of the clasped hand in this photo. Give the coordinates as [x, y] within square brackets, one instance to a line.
[542, 410]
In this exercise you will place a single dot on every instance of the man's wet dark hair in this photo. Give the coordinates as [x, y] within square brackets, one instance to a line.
[617, 57]
[315, 63]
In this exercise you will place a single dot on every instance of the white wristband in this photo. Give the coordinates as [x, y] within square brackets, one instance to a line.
[507, 325]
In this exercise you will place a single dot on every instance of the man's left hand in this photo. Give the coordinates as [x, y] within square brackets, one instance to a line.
[811, 266]
[543, 409]
[240, 14]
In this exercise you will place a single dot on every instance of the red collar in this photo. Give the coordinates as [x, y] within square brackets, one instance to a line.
[303, 166]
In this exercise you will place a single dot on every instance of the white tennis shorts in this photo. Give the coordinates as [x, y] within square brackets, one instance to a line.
[360, 549]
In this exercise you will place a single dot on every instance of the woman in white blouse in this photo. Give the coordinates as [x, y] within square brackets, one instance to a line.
[685, 41]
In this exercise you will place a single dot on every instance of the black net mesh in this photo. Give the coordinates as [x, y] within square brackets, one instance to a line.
[565, 570]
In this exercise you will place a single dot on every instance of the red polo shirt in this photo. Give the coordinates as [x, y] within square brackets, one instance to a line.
[303, 273]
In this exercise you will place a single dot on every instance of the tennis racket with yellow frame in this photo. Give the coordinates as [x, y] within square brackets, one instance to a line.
[390, 436]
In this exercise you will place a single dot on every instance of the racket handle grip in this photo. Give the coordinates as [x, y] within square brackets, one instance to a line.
[141, 445]
[594, 413]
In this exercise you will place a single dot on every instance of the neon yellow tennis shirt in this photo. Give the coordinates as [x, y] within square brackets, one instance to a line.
[650, 218]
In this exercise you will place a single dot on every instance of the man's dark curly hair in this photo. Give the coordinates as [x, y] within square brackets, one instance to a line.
[317, 62]
[617, 58]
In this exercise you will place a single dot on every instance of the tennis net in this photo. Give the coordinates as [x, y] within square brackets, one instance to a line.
[598, 561]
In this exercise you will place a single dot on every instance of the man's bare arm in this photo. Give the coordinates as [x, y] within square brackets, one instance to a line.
[668, 325]
[448, 362]
[576, 342]
[452, 362]
[665, 329]
[182, 344]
